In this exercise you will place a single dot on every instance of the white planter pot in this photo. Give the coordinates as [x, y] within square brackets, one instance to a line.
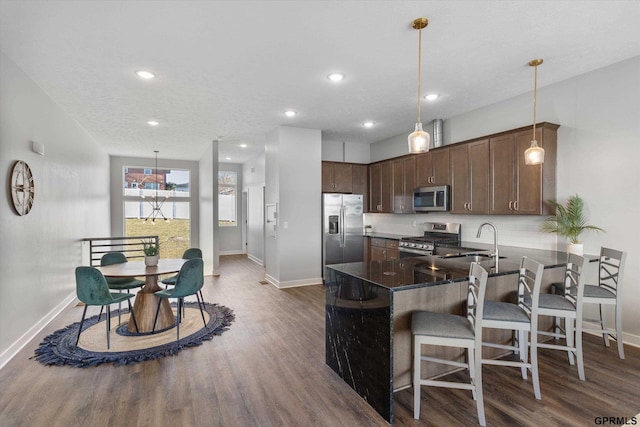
[575, 248]
[151, 261]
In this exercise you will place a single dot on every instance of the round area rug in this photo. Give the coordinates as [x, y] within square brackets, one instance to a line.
[60, 348]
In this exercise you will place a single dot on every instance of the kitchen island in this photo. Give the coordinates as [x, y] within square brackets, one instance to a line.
[369, 305]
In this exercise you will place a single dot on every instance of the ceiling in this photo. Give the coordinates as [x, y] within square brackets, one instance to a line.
[230, 69]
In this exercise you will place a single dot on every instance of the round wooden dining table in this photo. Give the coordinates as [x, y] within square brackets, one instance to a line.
[146, 302]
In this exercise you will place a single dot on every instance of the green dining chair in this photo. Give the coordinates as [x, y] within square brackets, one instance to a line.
[119, 283]
[92, 289]
[190, 253]
[188, 282]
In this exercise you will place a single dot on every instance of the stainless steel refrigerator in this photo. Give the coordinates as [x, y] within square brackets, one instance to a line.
[342, 217]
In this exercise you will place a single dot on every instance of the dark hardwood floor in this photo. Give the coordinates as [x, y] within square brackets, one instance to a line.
[269, 370]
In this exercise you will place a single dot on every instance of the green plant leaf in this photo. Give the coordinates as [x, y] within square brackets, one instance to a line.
[569, 221]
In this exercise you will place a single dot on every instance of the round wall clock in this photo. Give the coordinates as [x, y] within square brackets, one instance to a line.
[22, 187]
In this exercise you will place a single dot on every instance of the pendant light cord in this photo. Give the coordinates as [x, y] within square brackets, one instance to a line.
[535, 91]
[157, 181]
[419, 69]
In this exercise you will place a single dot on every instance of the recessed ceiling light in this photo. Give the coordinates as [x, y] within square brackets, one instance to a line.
[153, 123]
[243, 145]
[290, 113]
[368, 124]
[143, 74]
[335, 77]
[432, 97]
[227, 158]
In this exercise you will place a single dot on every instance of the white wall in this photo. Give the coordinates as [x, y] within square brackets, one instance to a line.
[230, 238]
[40, 251]
[346, 152]
[293, 181]
[253, 173]
[208, 208]
[598, 152]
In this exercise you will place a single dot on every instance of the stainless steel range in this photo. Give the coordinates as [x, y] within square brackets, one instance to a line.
[435, 233]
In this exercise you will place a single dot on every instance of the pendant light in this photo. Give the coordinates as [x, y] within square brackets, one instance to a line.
[155, 202]
[534, 155]
[419, 140]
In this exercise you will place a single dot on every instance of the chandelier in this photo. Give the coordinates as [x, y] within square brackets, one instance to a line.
[155, 201]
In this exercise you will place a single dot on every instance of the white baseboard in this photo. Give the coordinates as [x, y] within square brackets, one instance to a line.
[19, 344]
[256, 260]
[293, 283]
[231, 253]
[627, 338]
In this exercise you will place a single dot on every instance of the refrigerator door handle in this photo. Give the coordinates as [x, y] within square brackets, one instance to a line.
[341, 226]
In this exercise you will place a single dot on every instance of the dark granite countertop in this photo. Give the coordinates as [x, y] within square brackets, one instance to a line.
[432, 270]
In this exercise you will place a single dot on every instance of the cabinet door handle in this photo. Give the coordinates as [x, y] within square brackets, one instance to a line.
[510, 205]
[515, 205]
[469, 205]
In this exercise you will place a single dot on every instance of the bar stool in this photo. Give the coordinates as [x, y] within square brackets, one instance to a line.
[449, 330]
[608, 291]
[521, 318]
[569, 307]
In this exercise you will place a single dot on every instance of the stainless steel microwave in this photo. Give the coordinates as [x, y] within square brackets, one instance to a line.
[431, 199]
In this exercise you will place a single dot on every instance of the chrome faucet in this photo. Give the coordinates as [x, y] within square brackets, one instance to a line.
[495, 240]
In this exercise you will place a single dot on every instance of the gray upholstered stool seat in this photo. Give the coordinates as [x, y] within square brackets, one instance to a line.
[554, 302]
[504, 311]
[593, 291]
[441, 325]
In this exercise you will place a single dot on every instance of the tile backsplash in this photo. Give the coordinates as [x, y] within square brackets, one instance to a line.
[521, 231]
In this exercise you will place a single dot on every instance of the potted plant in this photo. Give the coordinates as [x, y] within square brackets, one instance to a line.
[569, 222]
[151, 251]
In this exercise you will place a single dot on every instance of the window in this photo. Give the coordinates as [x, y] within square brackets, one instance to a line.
[227, 183]
[171, 186]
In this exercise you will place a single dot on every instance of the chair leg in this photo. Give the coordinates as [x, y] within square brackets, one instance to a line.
[619, 329]
[471, 360]
[120, 310]
[603, 326]
[522, 343]
[133, 316]
[569, 334]
[201, 312]
[108, 327]
[100, 314]
[155, 319]
[579, 350]
[534, 364]
[84, 313]
[178, 318]
[477, 361]
[416, 378]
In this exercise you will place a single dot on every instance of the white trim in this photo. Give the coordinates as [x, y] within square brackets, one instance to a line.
[237, 252]
[627, 338]
[254, 259]
[293, 283]
[19, 344]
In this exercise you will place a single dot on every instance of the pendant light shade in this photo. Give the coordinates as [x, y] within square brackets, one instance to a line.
[534, 155]
[419, 140]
